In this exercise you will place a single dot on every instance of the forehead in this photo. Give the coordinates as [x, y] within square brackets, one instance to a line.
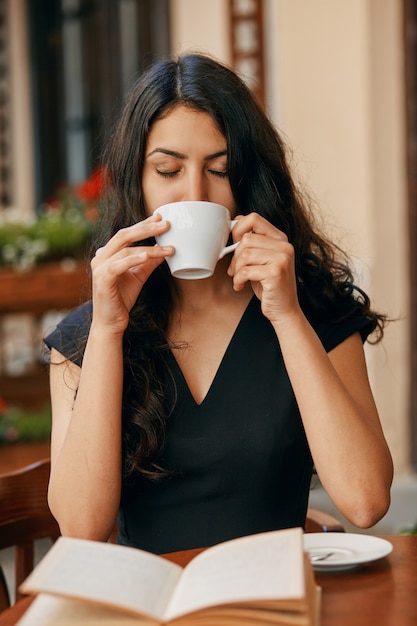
[182, 124]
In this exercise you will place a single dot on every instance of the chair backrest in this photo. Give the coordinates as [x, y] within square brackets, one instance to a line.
[24, 518]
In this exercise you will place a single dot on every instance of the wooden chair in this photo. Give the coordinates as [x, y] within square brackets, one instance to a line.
[24, 518]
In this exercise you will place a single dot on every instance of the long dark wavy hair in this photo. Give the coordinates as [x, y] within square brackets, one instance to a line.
[260, 180]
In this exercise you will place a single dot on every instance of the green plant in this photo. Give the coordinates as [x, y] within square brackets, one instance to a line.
[63, 228]
[17, 424]
[53, 235]
[410, 530]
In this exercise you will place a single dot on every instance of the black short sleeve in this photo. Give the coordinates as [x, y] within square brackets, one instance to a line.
[70, 335]
[331, 335]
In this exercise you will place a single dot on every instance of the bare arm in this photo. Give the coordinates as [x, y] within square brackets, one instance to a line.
[332, 390]
[84, 489]
[86, 462]
[341, 421]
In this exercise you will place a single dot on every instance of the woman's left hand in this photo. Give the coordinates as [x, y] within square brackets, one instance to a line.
[265, 258]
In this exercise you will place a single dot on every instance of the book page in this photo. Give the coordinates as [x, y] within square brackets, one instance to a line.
[48, 610]
[136, 581]
[264, 566]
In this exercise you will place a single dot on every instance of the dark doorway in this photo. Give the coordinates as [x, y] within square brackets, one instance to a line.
[84, 55]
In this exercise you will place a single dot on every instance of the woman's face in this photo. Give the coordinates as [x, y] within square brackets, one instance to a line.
[186, 159]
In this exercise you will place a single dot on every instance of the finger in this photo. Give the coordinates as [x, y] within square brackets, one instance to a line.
[126, 237]
[257, 264]
[262, 274]
[127, 258]
[259, 250]
[254, 223]
[252, 240]
[145, 266]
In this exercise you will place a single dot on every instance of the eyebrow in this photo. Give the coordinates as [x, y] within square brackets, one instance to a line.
[179, 155]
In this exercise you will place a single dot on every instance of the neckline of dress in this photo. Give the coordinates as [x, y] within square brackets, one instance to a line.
[222, 360]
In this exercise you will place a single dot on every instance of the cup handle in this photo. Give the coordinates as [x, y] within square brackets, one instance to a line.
[230, 248]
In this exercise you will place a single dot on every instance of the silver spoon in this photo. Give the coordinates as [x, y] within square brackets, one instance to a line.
[320, 557]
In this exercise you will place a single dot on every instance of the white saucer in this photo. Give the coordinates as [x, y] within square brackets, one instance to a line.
[331, 552]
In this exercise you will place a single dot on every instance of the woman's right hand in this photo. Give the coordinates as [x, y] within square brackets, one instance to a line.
[119, 271]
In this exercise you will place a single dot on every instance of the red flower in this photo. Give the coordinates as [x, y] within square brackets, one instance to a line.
[93, 188]
[3, 405]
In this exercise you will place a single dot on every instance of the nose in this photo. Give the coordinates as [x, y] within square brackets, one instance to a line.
[195, 186]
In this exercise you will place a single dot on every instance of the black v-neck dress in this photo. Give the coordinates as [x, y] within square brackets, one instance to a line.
[240, 460]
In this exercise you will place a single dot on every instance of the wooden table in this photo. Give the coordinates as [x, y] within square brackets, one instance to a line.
[383, 593]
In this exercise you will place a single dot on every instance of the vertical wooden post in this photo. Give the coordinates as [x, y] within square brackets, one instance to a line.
[247, 43]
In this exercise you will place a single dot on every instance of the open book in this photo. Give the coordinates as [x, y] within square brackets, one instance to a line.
[259, 579]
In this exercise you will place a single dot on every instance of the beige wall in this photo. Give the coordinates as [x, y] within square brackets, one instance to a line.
[200, 26]
[23, 186]
[338, 95]
[335, 89]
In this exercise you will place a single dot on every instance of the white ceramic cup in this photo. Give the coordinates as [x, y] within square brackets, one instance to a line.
[199, 232]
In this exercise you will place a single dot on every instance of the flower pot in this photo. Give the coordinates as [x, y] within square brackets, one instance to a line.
[50, 287]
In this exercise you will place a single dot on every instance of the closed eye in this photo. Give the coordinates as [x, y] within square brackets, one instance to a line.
[219, 173]
[168, 174]
[172, 174]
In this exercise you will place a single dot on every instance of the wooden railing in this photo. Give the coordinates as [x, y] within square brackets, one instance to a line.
[46, 288]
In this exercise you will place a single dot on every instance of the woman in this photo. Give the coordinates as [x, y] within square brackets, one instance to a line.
[196, 409]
